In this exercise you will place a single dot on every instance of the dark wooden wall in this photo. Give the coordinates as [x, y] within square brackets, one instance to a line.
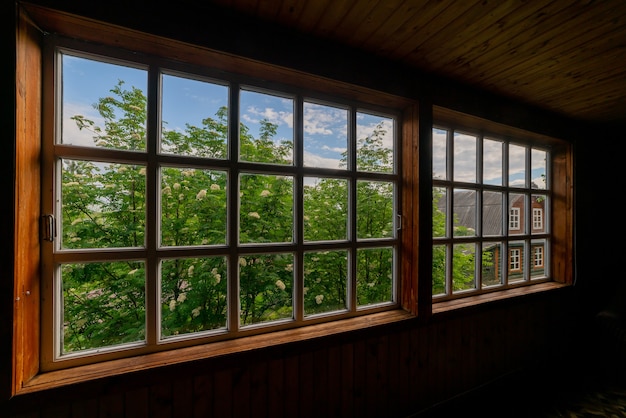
[386, 372]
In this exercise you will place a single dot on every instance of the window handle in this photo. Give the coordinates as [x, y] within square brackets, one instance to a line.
[48, 227]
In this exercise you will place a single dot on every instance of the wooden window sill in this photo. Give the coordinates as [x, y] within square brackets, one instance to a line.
[471, 301]
[80, 374]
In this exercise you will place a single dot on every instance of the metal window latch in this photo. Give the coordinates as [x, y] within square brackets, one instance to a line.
[48, 228]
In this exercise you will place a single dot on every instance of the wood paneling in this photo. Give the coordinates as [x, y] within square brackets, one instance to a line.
[378, 374]
[565, 56]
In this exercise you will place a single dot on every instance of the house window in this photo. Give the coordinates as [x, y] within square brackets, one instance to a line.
[538, 256]
[484, 185]
[192, 206]
[537, 218]
[515, 259]
[514, 219]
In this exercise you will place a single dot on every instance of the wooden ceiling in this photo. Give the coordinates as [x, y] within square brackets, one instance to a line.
[565, 56]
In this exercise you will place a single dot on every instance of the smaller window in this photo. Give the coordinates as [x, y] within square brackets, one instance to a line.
[514, 219]
[515, 255]
[538, 256]
[537, 218]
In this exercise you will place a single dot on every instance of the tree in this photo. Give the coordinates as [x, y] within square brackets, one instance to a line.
[104, 206]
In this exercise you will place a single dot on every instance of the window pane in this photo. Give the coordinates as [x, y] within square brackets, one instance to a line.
[492, 162]
[375, 209]
[517, 203]
[103, 205]
[440, 153]
[439, 269]
[440, 212]
[325, 281]
[193, 207]
[266, 286]
[517, 166]
[266, 131]
[325, 209]
[375, 143]
[463, 267]
[492, 213]
[464, 158]
[492, 264]
[516, 261]
[539, 161]
[194, 117]
[325, 136]
[193, 295]
[464, 213]
[266, 208]
[103, 304]
[374, 283]
[103, 104]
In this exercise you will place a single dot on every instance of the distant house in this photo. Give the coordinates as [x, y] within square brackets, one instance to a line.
[467, 221]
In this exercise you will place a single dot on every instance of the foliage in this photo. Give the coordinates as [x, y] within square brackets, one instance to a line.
[104, 206]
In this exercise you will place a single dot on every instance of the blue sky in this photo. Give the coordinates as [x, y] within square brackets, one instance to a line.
[187, 100]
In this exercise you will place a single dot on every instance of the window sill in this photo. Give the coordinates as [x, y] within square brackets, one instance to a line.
[81, 374]
[472, 301]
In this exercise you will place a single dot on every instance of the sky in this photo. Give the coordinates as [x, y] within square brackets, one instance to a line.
[188, 101]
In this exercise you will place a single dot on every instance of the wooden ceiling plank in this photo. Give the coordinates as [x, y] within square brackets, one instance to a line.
[310, 15]
[527, 44]
[268, 9]
[353, 23]
[379, 17]
[569, 39]
[440, 21]
[400, 41]
[334, 14]
[480, 32]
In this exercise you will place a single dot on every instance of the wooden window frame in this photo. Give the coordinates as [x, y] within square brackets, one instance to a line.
[415, 295]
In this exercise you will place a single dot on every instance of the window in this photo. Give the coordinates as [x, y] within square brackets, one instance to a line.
[486, 189]
[192, 208]
[537, 218]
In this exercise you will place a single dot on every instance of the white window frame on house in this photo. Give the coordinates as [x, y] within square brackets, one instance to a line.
[515, 256]
[538, 257]
[514, 219]
[537, 218]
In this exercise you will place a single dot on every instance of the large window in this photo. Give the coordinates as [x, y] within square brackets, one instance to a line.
[487, 191]
[186, 208]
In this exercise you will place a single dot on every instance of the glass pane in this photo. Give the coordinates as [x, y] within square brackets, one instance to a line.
[103, 305]
[440, 212]
[266, 208]
[463, 267]
[516, 261]
[194, 117]
[538, 215]
[492, 162]
[492, 264]
[374, 282]
[538, 264]
[440, 161]
[516, 214]
[375, 209]
[266, 283]
[193, 295]
[439, 269]
[103, 205]
[517, 166]
[103, 104]
[492, 213]
[464, 158]
[266, 130]
[539, 161]
[375, 146]
[193, 207]
[325, 136]
[325, 209]
[325, 281]
[464, 213]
